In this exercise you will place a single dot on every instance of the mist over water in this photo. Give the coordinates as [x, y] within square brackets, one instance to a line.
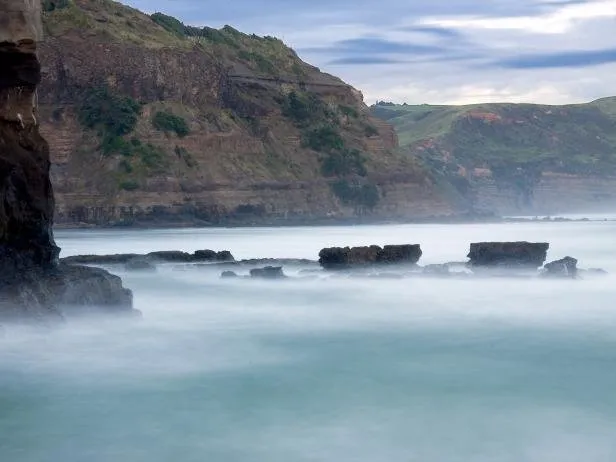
[324, 369]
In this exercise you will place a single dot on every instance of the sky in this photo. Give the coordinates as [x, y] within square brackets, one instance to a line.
[436, 51]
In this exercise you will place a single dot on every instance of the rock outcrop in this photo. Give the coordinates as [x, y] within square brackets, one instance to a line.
[564, 268]
[336, 258]
[519, 255]
[32, 283]
[165, 256]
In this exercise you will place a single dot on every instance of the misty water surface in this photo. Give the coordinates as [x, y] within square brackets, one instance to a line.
[338, 370]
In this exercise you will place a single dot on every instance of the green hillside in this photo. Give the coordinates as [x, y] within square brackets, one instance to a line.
[579, 139]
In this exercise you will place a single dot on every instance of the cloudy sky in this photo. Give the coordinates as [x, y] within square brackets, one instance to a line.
[436, 51]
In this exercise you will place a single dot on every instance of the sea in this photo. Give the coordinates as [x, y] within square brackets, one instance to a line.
[317, 368]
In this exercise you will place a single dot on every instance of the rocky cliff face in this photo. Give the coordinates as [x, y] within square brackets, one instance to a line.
[32, 283]
[516, 159]
[220, 127]
[26, 210]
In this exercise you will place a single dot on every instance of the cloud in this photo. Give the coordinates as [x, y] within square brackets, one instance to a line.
[437, 51]
[564, 59]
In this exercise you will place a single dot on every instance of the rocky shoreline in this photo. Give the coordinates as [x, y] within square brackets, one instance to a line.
[486, 259]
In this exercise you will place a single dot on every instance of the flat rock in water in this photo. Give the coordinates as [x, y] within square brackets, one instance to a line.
[269, 272]
[526, 255]
[337, 258]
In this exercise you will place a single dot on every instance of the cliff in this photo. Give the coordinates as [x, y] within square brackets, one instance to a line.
[515, 158]
[33, 285]
[27, 206]
[153, 121]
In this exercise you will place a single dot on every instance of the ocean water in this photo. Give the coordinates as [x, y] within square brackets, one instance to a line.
[435, 370]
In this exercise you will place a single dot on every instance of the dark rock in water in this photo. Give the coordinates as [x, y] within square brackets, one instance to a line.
[229, 275]
[224, 256]
[400, 254]
[269, 272]
[348, 257]
[48, 294]
[117, 259]
[508, 255]
[140, 264]
[440, 270]
[90, 287]
[565, 268]
[168, 256]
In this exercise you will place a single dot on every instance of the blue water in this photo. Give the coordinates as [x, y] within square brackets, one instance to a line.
[326, 369]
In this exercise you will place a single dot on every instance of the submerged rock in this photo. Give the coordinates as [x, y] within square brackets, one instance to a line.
[564, 268]
[525, 255]
[229, 275]
[269, 272]
[336, 258]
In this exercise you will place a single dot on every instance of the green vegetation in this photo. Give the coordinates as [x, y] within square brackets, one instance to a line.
[576, 139]
[112, 114]
[323, 139]
[52, 5]
[305, 108]
[363, 195]
[165, 121]
[129, 185]
[370, 130]
[343, 163]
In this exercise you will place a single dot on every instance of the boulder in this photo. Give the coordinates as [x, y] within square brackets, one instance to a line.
[335, 258]
[229, 275]
[525, 255]
[269, 272]
[564, 268]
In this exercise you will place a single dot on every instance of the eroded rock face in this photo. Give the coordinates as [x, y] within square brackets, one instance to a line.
[32, 284]
[349, 257]
[526, 255]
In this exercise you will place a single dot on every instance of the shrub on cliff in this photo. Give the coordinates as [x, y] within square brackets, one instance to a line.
[323, 139]
[52, 5]
[343, 162]
[355, 193]
[168, 122]
[113, 114]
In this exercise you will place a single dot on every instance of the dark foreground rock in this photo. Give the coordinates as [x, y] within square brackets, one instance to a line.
[33, 286]
[564, 268]
[526, 255]
[337, 258]
[171, 256]
[64, 289]
[269, 272]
